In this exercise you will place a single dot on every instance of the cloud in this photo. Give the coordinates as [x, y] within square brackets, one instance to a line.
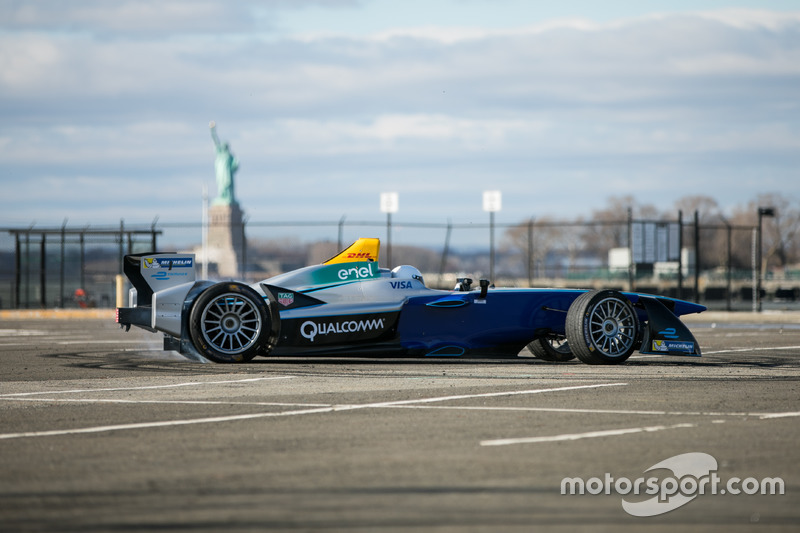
[146, 18]
[559, 115]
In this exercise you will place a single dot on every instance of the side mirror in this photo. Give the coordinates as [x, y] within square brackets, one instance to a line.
[484, 288]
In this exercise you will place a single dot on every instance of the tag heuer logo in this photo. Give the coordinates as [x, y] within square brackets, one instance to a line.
[286, 298]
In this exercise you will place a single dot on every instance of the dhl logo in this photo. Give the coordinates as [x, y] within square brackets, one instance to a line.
[364, 249]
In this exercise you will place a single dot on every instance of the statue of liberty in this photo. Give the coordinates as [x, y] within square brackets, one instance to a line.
[226, 166]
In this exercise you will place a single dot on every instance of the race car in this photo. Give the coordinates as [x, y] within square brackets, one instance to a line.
[349, 306]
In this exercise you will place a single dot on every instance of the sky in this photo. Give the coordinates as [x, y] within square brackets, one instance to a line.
[105, 106]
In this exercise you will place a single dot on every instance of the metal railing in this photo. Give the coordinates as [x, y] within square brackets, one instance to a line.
[69, 267]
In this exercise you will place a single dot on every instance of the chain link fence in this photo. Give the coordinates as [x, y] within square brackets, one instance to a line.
[717, 265]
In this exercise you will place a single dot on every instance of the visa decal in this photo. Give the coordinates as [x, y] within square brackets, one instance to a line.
[401, 284]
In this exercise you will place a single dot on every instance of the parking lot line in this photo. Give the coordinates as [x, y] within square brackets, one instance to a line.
[598, 411]
[579, 436]
[146, 387]
[754, 349]
[491, 395]
[164, 402]
[166, 423]
[232, 418]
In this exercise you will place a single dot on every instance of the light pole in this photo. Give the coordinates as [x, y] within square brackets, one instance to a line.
[762, 212]
[492, 202]
[389, 204]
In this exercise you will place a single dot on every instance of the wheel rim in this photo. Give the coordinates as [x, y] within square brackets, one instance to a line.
[559, 345]
[612, 327]
[230, 323]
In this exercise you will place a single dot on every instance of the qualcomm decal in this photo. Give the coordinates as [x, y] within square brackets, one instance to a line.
[311, 329]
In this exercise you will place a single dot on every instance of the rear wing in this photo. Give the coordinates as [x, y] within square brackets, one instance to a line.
[149, 273]
[364, 249]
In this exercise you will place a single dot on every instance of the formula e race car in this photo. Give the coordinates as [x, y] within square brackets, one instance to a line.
[350, 306]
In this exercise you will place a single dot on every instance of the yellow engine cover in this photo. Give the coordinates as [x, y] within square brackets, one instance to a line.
[364, 249]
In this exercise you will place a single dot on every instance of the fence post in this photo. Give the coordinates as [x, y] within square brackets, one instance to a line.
[341, 229]
[530, 252]
[696, 256]
[389, 240]
[729, 273]
[83, 260]
[631, 283]
[43, 273]
[243, 272]
[680, 253]
[27, 270]
[153, 235]
[446, 249]
[491, 246]
[754, 262]
[121, 244]
[17, 271]
[61, 266]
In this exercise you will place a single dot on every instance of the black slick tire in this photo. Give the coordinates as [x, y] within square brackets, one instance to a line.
[602, 327]
[229, 323]
[554, 349]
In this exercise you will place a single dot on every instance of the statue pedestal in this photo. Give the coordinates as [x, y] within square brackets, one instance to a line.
[226, 239]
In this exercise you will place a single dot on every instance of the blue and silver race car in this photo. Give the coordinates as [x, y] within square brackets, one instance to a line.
[349, 306]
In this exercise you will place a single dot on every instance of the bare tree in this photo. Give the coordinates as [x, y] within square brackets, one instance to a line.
[545, 235]
[609, 227]
[712, 235]
[780, 232]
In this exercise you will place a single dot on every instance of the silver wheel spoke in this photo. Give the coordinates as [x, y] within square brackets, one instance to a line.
[231, 323]
[611, 327]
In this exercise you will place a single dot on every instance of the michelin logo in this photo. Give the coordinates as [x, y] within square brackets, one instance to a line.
[673, 346]
[310, 329]
[167, 262]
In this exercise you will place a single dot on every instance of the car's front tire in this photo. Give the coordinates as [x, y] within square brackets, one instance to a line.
[229, 323]
[602, 327]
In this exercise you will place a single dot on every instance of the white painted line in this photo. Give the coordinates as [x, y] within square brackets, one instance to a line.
[149, 387]
[334, 408]
[165, 402]
[579, 436]
[167, 423]
[22, 332]
[779, 415]
[763, 349]
[491, 395]
[594, 411]
[83, 341]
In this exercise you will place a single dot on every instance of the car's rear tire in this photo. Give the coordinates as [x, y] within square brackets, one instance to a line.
[555, 349]
[602, 327]
[229, 323]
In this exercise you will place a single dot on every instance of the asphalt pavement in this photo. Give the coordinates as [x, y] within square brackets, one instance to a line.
[101, 430]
